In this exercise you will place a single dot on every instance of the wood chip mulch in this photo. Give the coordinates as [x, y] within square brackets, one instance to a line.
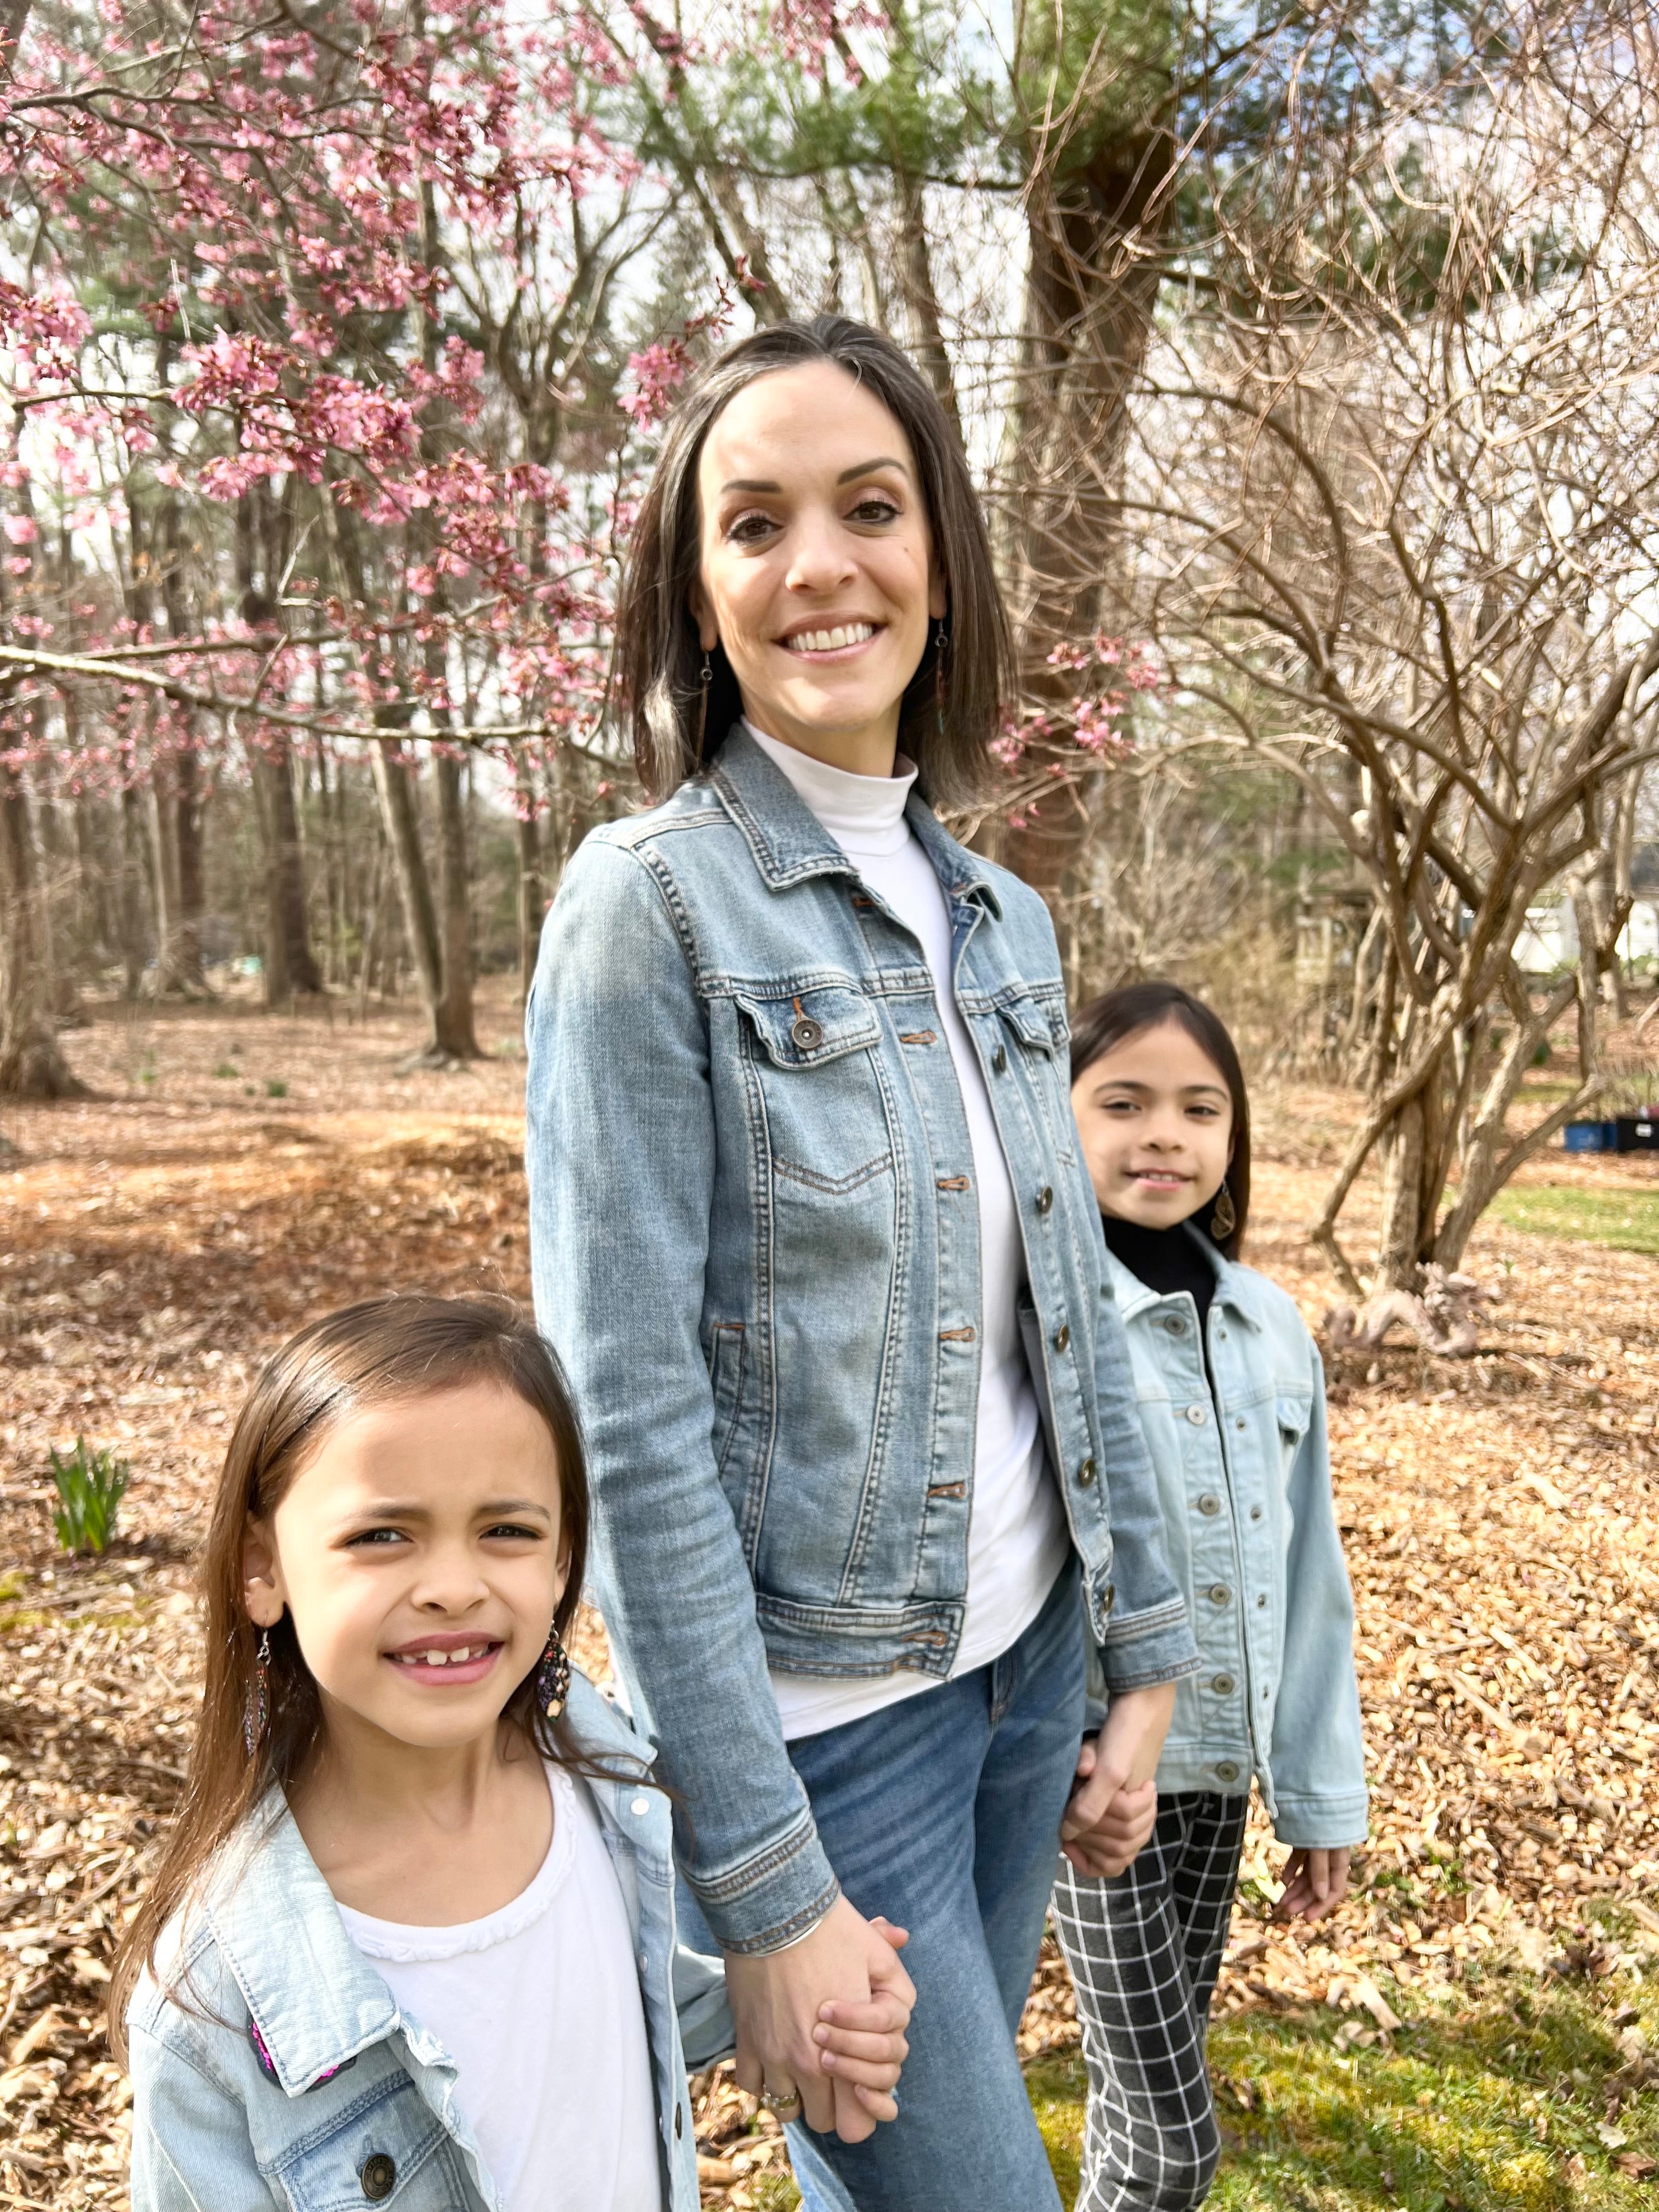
[1501, 1518]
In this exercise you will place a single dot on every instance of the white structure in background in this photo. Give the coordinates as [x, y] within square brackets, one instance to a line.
[1549, 942]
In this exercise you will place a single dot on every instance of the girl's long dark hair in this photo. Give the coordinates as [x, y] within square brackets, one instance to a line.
[385, 1349]
[1119, 1015]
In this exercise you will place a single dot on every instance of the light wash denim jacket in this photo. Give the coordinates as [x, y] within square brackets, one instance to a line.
[355, 2080]
[755, 1247]
[1245, 1479]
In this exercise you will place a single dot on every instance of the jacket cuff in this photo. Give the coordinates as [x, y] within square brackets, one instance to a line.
[774, 1899]
[1340, 1822]
[1140, 1649]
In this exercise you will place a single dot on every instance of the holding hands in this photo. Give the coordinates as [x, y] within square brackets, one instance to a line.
[820, 2025]
[1112, 1810]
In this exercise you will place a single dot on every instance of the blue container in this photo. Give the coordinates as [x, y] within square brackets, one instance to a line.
[1591, 1136]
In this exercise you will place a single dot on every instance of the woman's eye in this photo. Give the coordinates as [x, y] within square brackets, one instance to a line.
[749, 529]
[874, 509]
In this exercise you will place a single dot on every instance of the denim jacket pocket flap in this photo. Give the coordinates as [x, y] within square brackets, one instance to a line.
[1294, 1414]
[808, 1028]
[1029, 1022]
[389, 2148]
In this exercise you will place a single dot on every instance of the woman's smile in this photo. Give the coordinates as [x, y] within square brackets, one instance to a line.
[828, 640]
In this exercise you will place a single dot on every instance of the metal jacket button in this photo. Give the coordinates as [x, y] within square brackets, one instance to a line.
[807, 1033]
[1209, 1503]
[1062, 1336]
[1109, 1597]
[1219, 1594]
[1198, 1415]
[378, 2176]
[1085, 1473]
[1222, 1685]
[998, 1061]
[1045, 1199]
[1175, 1324]
[1227, 1771]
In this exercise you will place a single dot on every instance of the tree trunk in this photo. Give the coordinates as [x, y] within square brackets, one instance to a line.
[290, 965]
[532, 880]
[454, 1037]
[32, 1063]
[393, 786]
[130, 899]
[1089, 306]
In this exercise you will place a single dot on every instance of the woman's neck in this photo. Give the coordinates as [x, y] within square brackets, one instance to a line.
[869, 751]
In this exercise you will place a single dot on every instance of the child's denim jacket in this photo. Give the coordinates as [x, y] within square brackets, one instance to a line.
[295, 2082]
[1244, 1479]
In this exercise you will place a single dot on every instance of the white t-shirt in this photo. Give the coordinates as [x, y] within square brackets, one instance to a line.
[1017, 1534]
[538, 2005]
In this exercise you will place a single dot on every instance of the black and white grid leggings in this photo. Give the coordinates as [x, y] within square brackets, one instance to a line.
[1144, 1950]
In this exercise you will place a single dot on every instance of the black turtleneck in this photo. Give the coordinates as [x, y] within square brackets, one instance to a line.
[1167, 1261]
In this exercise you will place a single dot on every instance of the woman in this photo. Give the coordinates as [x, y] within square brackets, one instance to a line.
[812, 1230]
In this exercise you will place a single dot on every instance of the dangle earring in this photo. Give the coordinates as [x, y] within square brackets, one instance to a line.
[941, 638]
[553, 1676]
[256, 1710]
[705, 676]
[1225, 1219]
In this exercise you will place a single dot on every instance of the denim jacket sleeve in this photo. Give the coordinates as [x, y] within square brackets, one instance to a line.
[1148, 1637]
[1318, 1757]
[621, 1160]
[190, 2150]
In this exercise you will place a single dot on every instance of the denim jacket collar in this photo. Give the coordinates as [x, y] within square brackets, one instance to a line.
[315, 1999]
[1236, 1287]
[789, 843]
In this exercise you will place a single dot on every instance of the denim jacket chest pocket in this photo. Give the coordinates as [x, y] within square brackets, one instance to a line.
[382, 2144]
[1039, 1036]
[816, 1091]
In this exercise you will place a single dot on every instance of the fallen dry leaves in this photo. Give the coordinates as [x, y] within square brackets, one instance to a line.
[1500, 1518]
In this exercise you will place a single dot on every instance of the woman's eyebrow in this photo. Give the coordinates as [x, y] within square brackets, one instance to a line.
[750, 484]
[869, 468]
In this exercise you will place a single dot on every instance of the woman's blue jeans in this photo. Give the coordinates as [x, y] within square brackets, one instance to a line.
[943, 1812]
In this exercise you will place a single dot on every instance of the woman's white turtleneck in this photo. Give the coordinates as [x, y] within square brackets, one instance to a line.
[1017, 1530]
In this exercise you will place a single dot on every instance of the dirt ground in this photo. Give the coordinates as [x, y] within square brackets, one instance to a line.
[239, 1173]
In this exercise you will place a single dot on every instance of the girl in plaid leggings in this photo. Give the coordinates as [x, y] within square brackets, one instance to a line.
[1231, 1397]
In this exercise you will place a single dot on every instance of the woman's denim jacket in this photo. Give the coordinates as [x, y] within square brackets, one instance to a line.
[756, 1246]
[288, 2077]
[1244, 1473]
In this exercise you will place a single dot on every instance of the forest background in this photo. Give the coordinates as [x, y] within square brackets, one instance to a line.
[1307, 359]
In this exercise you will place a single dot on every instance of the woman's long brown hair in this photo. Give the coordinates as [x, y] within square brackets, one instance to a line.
[385, 1349]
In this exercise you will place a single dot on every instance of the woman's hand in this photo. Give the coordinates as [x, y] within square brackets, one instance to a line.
[1315, 1883]
[1122, 1759]
[845, 1976]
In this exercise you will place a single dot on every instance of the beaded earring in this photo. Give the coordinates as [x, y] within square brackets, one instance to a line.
[553, 1676]
[705, 676]
[256, 1710]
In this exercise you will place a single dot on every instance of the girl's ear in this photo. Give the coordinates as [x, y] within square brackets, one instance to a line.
[263, 1590]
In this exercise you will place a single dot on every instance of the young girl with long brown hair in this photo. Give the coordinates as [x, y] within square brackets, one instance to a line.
[412, 1935]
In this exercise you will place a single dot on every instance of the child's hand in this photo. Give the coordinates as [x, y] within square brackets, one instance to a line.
[1121, 1833]
[1123, 1759]
[864, 2045]
[1315, 1883]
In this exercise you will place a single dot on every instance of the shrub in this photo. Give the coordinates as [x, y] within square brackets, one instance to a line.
[89, 1486]
[274, 1090]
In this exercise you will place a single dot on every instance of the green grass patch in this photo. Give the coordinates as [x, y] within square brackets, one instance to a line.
[1625, 1220]
[1528, 2100]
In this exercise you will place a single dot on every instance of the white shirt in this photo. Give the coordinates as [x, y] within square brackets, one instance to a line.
[538, 2005]
[1017, 1535]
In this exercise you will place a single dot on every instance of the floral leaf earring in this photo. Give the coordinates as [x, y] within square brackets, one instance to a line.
[256, 1708]
[1225, 1219]
[553, 1676]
